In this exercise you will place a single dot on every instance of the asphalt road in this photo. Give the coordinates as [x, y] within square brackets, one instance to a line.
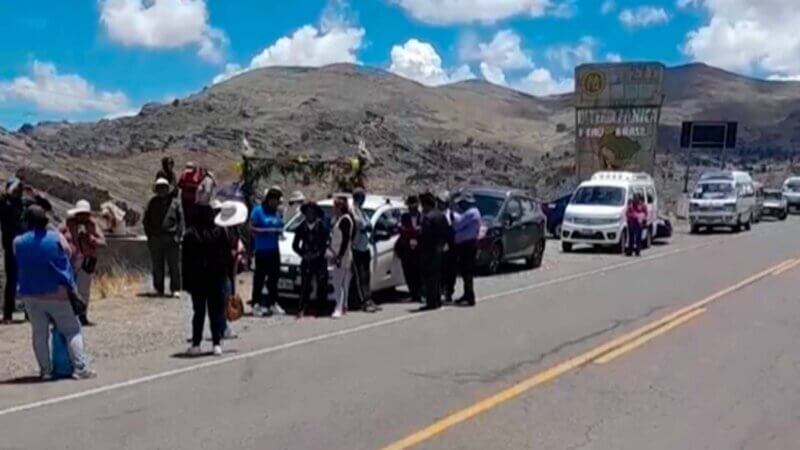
[522, 370]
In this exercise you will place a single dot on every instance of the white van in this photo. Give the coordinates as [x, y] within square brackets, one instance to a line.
[723, 199]
[791, 192]
[595, 214]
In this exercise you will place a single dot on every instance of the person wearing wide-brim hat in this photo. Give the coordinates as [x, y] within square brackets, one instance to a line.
[164, 225]
[230, 216]
[311, 242]
[84, 236]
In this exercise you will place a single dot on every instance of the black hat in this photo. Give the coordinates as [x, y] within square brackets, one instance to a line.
[312, 206]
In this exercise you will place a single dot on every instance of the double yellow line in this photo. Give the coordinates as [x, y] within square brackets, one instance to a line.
[603, 354]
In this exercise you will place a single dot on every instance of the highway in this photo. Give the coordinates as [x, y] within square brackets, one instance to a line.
[693, 345]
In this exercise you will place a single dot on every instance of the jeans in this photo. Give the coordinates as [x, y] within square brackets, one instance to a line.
[210, 299]
[465, 261]
[55, 309]
[362, 262]
[634, 237]
[340, 278]
[165, 248]
[313, 272]
[268, 267]
[412, 275]
[10, 297]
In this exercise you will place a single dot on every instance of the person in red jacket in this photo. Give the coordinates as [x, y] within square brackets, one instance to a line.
[636, 215]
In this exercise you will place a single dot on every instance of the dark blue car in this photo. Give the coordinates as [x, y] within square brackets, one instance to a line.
[554, 211]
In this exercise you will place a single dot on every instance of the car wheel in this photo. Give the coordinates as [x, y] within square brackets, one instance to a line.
[566, 247]
[495, 259]
[738, 227]
[535, 260]
[623, 239]
[557, 231]
[784, 216]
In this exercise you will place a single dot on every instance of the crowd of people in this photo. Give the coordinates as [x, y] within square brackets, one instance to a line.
[203, 243]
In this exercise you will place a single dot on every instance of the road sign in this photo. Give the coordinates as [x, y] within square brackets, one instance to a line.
[720, 135]
[617, 111]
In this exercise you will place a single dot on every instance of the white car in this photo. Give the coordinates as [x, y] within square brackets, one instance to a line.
[791, 192]
[384, 215]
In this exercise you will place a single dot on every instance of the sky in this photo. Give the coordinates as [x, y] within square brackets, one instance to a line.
[83, 60]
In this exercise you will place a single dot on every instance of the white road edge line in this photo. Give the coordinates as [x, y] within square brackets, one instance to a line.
[345, 332]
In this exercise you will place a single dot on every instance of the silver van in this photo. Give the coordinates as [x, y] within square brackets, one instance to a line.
[723, 199]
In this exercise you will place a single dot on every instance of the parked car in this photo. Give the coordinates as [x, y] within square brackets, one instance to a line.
[595, 215]
[663, 229]
[775, 204]
[384, 215]
[554, 211]
[791, 192]
[723, 199]
[513, 228]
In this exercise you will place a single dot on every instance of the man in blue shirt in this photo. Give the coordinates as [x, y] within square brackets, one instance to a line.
[266, 225]
[467, 226]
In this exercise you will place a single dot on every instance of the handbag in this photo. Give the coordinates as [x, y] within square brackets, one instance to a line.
[234, 310]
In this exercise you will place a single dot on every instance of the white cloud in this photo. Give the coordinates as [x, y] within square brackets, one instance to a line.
[54, 92]
[643, 16]
[307, 47]
[447, 12]
[541, 82]
[567, 57]
[419, 61]
[784, 77]
[613, 57]
[163, 24]
[753, 37]
[493, 74]
[504, 51]
[608, 7]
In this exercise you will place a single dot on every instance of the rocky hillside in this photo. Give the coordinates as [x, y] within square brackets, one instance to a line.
[466, 132]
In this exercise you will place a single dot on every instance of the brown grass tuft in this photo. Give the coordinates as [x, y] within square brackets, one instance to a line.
[116, 285]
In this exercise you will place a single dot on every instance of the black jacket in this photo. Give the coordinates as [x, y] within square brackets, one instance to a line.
[163, 217]
[12, 216]
[311, 243]
[435, 233]
[207, 259]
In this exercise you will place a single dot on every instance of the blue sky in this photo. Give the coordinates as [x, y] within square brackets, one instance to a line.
[88, 59]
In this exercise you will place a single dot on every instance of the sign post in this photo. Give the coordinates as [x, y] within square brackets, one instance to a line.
[617, 112]
[708, 135]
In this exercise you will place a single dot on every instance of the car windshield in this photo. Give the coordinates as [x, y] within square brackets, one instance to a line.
[793, 186]
[489, 206]
[599, 195]
[773, 196]
[714, 190]
[295, 222]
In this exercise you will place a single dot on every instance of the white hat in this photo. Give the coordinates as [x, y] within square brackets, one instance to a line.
[81, 207]
[162, 181]
[231, 214]
[297, 196]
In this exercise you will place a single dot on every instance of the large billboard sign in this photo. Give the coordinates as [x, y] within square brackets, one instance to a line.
[617, 112]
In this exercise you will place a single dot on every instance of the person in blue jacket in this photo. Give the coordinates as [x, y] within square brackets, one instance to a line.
[266, 226]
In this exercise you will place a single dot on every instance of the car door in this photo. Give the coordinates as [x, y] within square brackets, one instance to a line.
[386, 270]
[652, 206]
[527, 226]
[513, 229]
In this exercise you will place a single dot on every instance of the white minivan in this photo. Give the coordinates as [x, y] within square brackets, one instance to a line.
[595, 214]
[723, 199]
[791, 192]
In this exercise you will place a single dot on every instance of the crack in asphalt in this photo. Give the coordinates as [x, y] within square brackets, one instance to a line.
[493, 376]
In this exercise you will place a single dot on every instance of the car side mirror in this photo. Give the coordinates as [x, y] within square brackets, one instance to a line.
[381, 234]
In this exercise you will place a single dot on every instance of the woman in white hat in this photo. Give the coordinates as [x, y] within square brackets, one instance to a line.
[231, 215]
[84, 236]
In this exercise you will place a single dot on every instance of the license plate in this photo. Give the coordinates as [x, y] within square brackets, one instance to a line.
[286, 284]
[585, 231]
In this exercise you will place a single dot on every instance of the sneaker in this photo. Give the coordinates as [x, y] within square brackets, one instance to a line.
[276, 309]
[337, 314]
[84, 374]
[371, 308]
[217, 350]
[193, 350]
[175, 295]
[46, 377]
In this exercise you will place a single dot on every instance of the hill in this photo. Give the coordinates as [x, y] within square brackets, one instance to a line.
[419, 135]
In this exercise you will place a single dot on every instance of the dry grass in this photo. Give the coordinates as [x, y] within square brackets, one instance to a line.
[116, 285]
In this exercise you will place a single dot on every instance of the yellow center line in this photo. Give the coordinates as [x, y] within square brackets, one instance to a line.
[638, 342]
[786, 268]
[680, 316]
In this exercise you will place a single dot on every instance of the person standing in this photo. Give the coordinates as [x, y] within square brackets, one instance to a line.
[433, 239]
[84, 236]
[449, 261]
[407, 247]
[466, 228]
[362, 257]
[340, 254]
[311, 244]
[207, 188]
[163, 225]
[189, 184]
[266, 226]
[45, 278]
[231, 215]
[207, 263]
[13, 203]
[167, 172]
[636, 215]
